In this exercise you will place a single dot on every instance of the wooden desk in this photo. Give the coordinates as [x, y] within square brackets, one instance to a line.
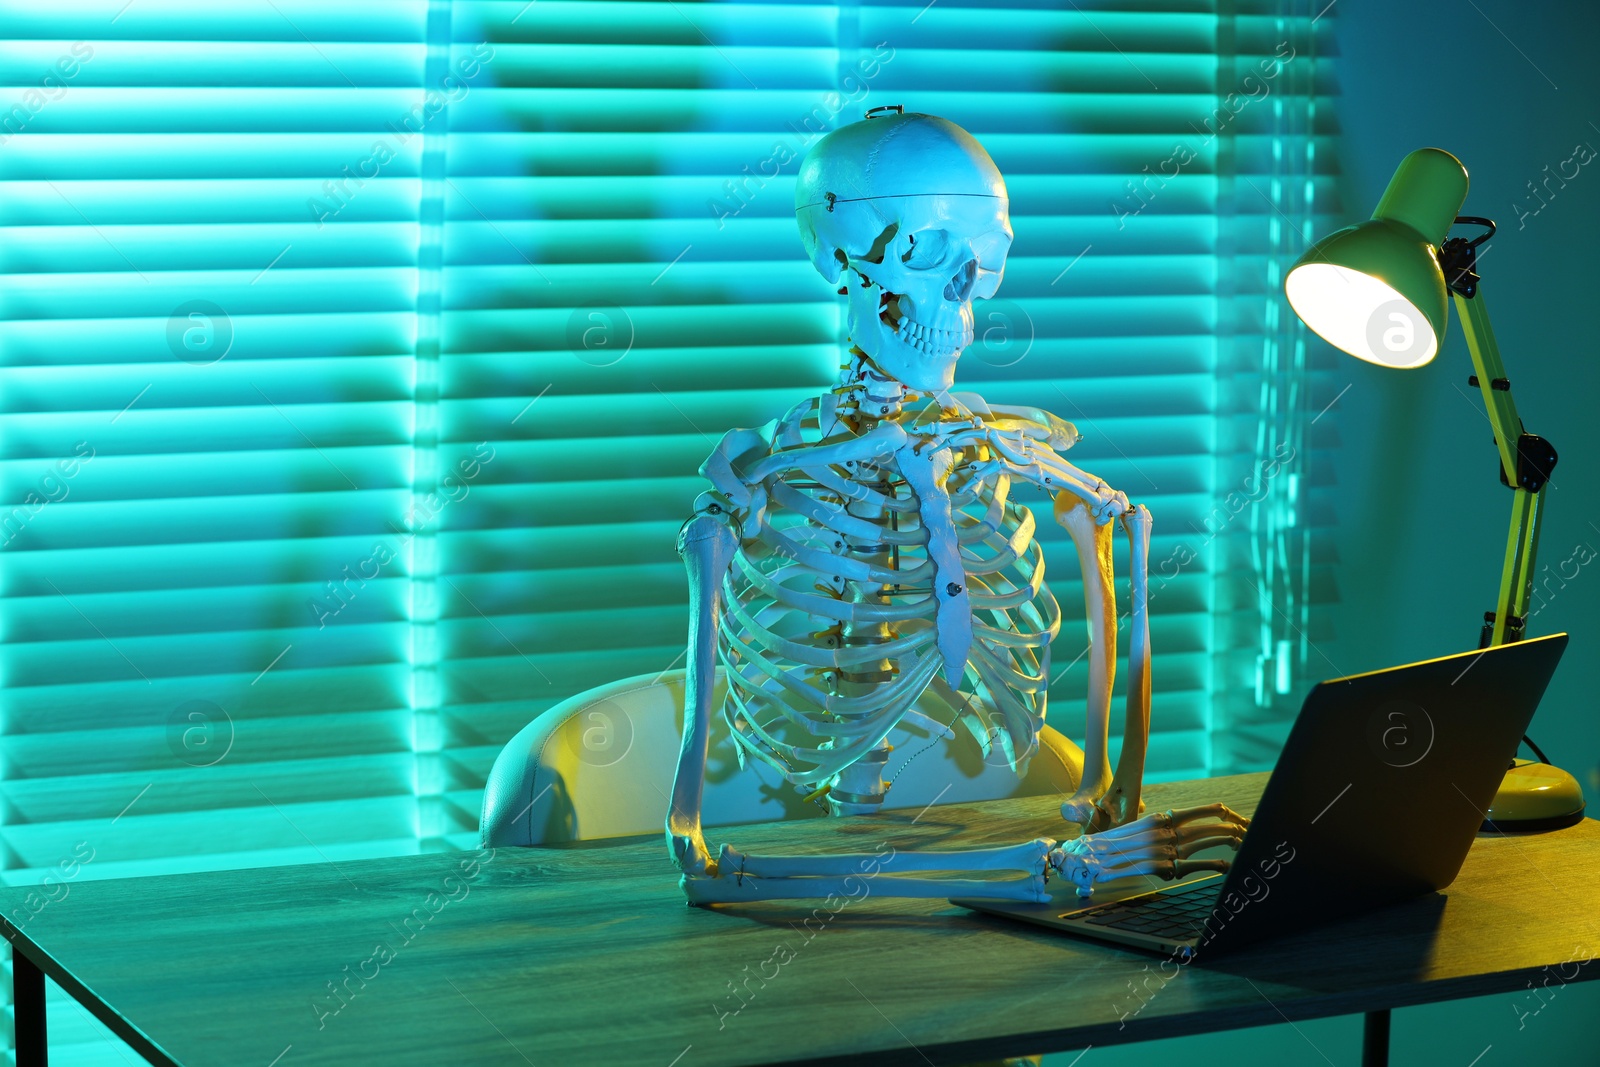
[589, 956]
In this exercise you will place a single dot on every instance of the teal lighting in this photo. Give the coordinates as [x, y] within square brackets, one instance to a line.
[396, 334]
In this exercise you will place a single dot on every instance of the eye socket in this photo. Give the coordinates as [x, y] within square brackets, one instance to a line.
[880, 245]
[926, 249]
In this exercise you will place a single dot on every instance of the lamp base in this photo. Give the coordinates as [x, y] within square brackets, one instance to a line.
[1535, 796]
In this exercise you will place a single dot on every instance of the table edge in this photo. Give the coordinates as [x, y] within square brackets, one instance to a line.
[135, 1038]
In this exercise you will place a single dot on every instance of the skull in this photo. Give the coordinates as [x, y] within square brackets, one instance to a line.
[912, 214]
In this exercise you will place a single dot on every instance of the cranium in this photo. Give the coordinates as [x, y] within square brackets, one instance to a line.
[912, 214]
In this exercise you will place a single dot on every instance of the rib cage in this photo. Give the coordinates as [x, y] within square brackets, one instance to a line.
[829, 632]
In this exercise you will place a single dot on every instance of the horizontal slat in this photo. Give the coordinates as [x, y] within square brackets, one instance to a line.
[202, 736]
[644, 23]
[260, 825]
[179, 389]
[667, 325]
[247, 650]
[290, 337]
[140, 430]
[1073, 159]
[203, 521]
[33, 255]
[197, 565]
[179, 20]
[223, 109]
[263, 690]
[1142, 362]
[772, 70]
[267, 289]
[292, 65]
[231, 782]
[1177, 433]
[114, 155]
[981, 111]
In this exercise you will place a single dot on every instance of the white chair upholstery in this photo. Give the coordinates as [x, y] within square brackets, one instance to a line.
[601, 763]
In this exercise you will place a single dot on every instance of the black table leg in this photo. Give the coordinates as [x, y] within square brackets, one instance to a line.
[27, 984]
[1374, 1039]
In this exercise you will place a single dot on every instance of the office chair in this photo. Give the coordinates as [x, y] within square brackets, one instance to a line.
[600, 764]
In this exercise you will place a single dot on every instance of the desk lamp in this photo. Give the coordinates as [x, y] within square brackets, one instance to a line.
[1377, 290]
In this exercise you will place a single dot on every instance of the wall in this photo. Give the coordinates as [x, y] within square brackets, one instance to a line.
[1423, 517]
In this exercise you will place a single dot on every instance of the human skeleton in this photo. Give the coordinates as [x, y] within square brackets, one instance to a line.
[865, 548]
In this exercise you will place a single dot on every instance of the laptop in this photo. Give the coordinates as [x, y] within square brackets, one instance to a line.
[1377, 795]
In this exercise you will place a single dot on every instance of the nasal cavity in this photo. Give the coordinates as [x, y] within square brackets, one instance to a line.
[959, 288]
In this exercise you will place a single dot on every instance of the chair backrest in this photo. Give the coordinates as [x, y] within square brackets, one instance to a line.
[601, 764]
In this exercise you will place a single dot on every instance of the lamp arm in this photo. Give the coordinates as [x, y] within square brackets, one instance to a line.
[1526, 461]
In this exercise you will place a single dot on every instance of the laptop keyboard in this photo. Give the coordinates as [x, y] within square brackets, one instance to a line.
[1177, 914]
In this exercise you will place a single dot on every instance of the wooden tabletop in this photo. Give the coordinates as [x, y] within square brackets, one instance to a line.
[588, 955]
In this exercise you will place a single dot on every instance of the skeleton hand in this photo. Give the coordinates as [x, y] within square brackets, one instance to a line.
[1038, 462]
[1159, 844]
[1104, 502]
[1112, 503]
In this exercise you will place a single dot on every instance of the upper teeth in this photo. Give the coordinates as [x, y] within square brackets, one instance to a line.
[930, 340]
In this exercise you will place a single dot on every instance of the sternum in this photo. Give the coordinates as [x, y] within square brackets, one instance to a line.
[860, 787]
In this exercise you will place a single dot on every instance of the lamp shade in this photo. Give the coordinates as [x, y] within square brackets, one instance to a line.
[1376, 290]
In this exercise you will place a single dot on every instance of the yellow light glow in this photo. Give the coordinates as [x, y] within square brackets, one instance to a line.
[1361, 315]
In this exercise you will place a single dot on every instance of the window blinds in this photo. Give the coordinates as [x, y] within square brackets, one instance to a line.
[356, 359]
[244, 379]
[624, 283]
